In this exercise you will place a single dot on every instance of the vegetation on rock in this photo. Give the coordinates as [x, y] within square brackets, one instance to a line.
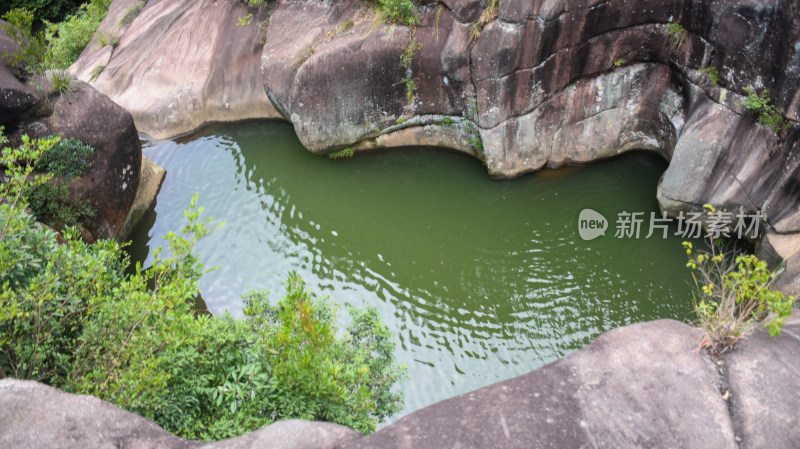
[713, 74]
[488, 14]
[732, 293]
[768, 115]
[677, 35]
[61, 42]
[73, 317]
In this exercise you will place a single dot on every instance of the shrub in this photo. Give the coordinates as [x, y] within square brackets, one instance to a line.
[69, 38]
[397, 11]
[620, 62]
[732, 294]
[488, 14]
[71, 316]
[44, 9]
[67, 158]
[407, 57]
[54, 204]
[768, 115]
[31, 54]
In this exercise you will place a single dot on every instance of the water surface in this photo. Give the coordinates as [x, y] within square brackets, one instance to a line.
[480, 280]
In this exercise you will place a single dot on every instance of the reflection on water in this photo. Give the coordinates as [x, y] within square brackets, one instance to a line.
[480, 280]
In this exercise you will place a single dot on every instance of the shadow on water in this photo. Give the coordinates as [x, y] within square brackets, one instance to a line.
[480, 280]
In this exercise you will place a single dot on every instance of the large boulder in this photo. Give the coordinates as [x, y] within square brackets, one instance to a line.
[179, 65]
[764, 383]
[35, 416]
[34, 107]
[642, 385]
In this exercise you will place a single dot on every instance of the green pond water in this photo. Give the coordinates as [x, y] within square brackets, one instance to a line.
[480, 280]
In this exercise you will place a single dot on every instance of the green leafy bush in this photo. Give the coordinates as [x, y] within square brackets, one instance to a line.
[30, 57]
[71, 316]
[768, 115]
[68, 38]
[67, 158]
[44, 9]
[55, 205]
[732, 294]
[397, 11]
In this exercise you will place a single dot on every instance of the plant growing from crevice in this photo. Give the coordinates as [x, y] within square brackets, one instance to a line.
[30, 57]
[400, 12]
[488, 14]
[407, 57]
[407, 63]
[768, 115]
[733, 292]
[303, 56]
[447, 121]
[63, 81]
[439, 11]
[105, 38]
[620, 62]
[411, 88]
[131, 13]
[341, 154]
[96, 72]
[712, 73]
[474, 139]
[677, 35]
